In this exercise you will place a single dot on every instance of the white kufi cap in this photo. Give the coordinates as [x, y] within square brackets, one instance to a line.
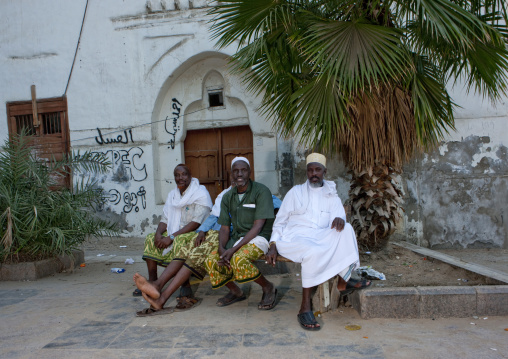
[240, 159]
[316, 157]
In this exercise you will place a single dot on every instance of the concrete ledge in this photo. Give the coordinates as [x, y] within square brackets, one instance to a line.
[446, 302]
[492, 300]
[431, 302]
[71, 262]
[394, 302]
[39, 269]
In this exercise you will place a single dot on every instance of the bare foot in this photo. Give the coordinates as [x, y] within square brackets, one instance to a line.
[153, 302]
[146, 287]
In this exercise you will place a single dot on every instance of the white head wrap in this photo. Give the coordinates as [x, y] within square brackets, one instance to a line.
[316, 157]
[240, 159]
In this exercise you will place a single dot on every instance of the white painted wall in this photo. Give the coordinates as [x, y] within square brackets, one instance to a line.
[131, 62]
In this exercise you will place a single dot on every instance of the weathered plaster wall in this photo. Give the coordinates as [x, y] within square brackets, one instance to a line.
[457, 195]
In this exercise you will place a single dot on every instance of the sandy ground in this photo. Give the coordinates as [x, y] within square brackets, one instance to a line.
[404, 268]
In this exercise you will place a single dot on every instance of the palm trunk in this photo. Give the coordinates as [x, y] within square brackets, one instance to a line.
[376, 201]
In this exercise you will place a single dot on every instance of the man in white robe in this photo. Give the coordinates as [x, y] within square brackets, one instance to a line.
[311, 229]
[186, 207]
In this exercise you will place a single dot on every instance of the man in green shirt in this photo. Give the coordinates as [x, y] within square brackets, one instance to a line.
[249, 208]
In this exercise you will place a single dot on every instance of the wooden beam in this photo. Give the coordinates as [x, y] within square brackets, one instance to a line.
[472, 267]
[34, 107]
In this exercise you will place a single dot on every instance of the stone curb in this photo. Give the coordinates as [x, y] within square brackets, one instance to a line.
[34, 270]
[431, 302]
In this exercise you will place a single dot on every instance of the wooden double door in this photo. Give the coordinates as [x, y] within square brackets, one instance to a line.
[209, 153]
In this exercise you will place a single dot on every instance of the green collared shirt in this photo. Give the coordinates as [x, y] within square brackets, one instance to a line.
[256, 204]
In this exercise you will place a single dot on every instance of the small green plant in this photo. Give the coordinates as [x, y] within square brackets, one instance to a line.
[39, 217]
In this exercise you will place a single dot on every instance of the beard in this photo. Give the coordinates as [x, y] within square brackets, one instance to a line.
[316, 184]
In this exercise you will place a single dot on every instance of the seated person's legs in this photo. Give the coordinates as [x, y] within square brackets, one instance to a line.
[220, 276]
[192, 265]
[196, 257]
[242, 271]
[154, 256]
[182, 244]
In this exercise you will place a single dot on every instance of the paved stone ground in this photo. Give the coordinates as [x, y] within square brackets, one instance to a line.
[494, 258]
[90, 314]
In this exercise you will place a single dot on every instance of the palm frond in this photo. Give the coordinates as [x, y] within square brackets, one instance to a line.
[432, 106]
[357, 54]
[244, 20]
[35, 218]
[89, 161]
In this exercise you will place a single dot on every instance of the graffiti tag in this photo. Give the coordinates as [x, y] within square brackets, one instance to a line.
[130, 161]
[119, 139]
[177, 107]
[131, 200]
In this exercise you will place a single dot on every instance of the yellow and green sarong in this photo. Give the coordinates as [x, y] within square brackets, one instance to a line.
[242, 269]
[195, 257]
[155, 254]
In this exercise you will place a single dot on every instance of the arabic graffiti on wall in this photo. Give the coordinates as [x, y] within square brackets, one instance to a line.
[131, 200]
[127, 134]
[171, 123]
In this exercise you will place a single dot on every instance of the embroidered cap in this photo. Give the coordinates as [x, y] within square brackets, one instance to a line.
[316, 157]
[240, 159]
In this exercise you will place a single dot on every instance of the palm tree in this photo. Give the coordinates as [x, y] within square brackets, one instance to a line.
[367, 79]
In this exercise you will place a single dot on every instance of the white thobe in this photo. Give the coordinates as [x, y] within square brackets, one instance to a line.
[302, 232]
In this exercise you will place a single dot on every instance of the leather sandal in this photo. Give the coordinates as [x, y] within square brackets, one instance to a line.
[186, 303]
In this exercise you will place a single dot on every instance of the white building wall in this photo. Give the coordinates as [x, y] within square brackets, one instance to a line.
[133, 60]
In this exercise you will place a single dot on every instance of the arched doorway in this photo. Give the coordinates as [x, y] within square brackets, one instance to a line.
[209, 153]
[199, 104]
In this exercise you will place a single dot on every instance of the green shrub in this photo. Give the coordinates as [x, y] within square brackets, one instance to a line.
[38, 217]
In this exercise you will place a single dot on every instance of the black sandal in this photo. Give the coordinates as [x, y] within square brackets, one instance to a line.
[351, 285]
[267, 306]
[186, 303]
[306, 319]
[229, 299]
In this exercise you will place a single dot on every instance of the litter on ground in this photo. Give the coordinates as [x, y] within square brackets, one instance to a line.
[370, 273]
